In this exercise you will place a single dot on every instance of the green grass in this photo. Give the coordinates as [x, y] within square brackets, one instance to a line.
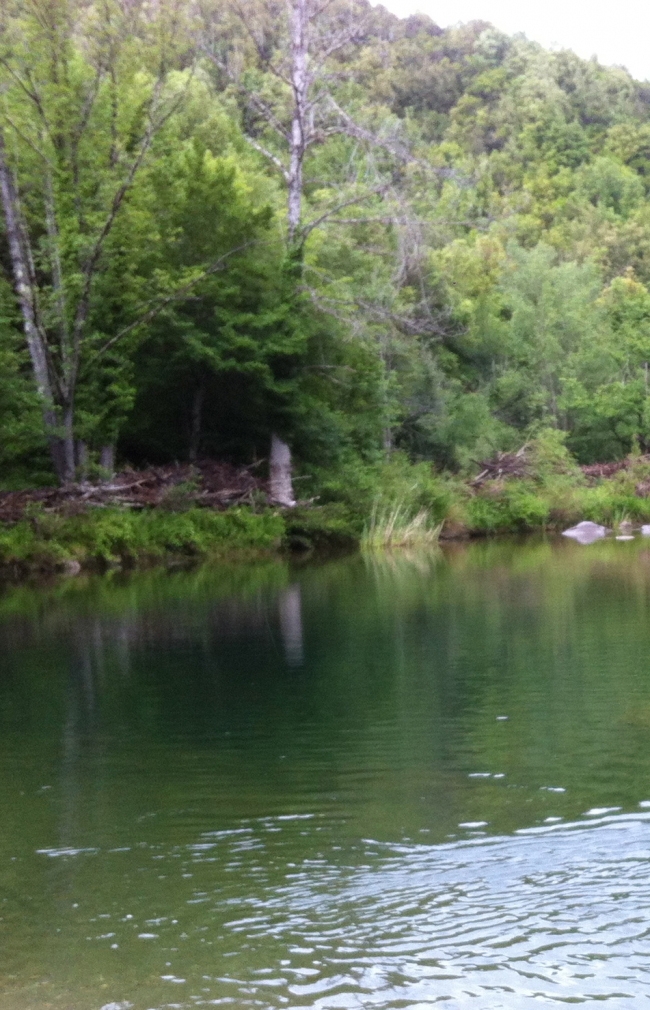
[109, 536]
[520, 505]
[394, 524]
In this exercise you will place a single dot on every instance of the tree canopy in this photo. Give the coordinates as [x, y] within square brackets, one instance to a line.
[362, 232]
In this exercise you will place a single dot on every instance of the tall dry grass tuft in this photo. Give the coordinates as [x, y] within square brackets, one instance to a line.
[394, 525]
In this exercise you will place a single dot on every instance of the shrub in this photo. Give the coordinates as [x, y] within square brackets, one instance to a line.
[109, 535]
[362, 487]
[513, 505]
[323, 526]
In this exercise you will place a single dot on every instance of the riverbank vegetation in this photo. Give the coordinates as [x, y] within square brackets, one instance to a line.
[390, 504]
[405, 251]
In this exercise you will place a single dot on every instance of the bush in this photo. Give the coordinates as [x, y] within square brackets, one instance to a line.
[326, 526]
[112, 535]
[515, 505]
[362, 487]
[548, 456]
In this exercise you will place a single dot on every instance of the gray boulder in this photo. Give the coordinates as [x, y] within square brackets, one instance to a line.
[586, 532]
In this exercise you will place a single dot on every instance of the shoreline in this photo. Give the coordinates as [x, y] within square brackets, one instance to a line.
[159, 516]
[97, 541]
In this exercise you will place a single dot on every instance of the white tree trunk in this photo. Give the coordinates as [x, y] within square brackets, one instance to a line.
[26, 291]
[107, 458]
[281, 488]
[300, 84]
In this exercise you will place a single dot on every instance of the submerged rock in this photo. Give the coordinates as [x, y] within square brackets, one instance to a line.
[586, 532]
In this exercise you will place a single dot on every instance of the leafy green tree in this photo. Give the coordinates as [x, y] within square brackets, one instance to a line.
[361, 231]
[608, 397]
[86, 93]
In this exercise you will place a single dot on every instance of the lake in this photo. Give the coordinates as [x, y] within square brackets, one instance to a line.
[385, 782]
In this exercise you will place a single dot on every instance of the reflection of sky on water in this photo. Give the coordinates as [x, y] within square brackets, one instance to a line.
[298, 787]
[554, 914]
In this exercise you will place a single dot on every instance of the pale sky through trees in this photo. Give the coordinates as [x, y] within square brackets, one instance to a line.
[616, 32]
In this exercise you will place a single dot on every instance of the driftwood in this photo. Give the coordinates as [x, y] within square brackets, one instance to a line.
[596, 471]
[208, 483]
[504, 464]
[605, 469]
[516, 464]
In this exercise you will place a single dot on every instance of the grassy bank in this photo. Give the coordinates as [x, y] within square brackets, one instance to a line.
[112, 536]
[400, 503]
[389, 504]
[553, 493]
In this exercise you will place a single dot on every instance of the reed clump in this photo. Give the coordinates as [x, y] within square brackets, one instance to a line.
[394, 524]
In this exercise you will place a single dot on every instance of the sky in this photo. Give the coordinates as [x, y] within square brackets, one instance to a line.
[616, 31]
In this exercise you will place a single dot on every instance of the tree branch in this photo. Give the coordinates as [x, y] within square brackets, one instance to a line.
[316, 13]
[26, 140]
[245, 20]
[118, 199]
[352, 129]
[261, 106]
[32, 95]
[87, 109]
[344, 37]
[268, 154]
[307, 229]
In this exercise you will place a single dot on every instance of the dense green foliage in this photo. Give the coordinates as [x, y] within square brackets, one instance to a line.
[474, 265]
[112, 536]
[392, 505]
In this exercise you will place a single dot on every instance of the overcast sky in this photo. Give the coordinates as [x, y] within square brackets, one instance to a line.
[616, 31]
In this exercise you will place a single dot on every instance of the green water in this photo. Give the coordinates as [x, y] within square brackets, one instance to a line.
[387, 784]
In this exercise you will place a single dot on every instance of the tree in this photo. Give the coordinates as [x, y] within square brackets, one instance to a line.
[22, 446]
[289, 102]
[293, 89]
[86, 93]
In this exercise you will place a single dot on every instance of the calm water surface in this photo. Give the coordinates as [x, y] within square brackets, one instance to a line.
[384, 784]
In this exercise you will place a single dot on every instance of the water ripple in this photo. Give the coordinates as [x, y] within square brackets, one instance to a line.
[555, 915]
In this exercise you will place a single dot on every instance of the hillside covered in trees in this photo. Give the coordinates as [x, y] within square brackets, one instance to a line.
[366, 234]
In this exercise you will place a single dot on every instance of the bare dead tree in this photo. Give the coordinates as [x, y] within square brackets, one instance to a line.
[310, 33]
[307, 113]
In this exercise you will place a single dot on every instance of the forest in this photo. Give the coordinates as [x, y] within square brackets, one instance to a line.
[403, 250]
